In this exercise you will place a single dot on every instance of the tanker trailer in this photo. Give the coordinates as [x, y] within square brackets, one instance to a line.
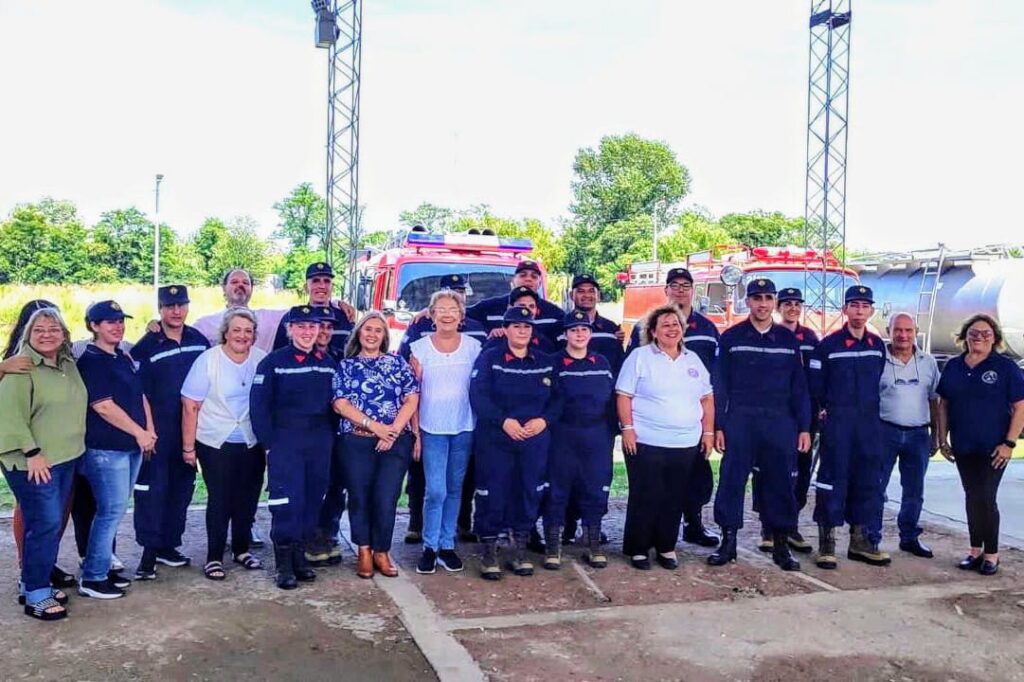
[942, 288]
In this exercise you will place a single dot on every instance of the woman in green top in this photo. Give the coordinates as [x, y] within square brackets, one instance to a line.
[42, 433]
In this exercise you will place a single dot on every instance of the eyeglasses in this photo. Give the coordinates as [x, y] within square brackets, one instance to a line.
[978, 334]
[47, 331]
[676, 286]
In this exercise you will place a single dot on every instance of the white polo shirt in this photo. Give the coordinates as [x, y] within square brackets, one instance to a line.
[666, 396]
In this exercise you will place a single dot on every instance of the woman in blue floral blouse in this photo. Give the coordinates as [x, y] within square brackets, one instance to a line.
[376, 395]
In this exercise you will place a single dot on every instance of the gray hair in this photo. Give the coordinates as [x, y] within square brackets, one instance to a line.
[898, 314]
[451, 295]
[232, 313]
[53, 314]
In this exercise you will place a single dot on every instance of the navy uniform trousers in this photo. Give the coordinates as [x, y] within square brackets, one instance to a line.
[510, 480]
[579, 469]
[848, 489]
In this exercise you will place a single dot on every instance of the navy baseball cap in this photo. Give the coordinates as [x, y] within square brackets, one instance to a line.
[304, 313]
[584, 279]
[319, 268]
[678, 273]
[174, 294]
[453, 281]
[515, 315]
[519, 292]
[859, 293]
[576, 318]
[761, 285]
[105, 311]
[791, 294]
[528, 265]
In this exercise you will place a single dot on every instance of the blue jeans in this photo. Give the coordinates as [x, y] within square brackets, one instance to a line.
[445, 458]
[912, 448]
[42, 505]
[111, 475]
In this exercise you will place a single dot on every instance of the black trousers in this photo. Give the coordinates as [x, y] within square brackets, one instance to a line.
[233, 475]
[335, 500]
[655, 507]
[374, 481]
[416, 490]
[981, 484]
[465, 522]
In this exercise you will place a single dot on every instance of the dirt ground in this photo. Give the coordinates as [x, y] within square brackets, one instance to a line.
[915, 620]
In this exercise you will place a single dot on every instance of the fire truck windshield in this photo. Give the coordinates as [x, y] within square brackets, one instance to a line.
[417, 281]
[795, 278]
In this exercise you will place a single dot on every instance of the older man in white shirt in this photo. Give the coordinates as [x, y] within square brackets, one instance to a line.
[908, 408]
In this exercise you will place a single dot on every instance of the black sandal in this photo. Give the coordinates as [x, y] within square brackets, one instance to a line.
[41, 610]
[214, 570]
[60, 596]
[248, 561]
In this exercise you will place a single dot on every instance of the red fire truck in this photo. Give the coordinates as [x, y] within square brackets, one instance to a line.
[720, 277]
[399, 281]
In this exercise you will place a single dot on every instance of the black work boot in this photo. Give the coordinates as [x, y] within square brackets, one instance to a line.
[781, 555]
[863, 549]
[490, 569]
[767, 543]
[552, 548]
[521, 564]
[695, 533]
[826, 548]
[595, 555]
[285, 568]
[535, 543]
[303, 571]
[797, 543]
[726, 551]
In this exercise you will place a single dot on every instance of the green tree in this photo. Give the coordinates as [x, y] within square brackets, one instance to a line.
[547, 247]
[241, 248]
[303, 217]
[205, 241]
[760, 228]
[434, 218]
[34, 250]
[125, 238]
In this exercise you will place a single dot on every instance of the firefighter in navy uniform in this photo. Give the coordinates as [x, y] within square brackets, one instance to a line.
[763, 419]
[844, 375]
[415, 487]
[514, 395]
[580, 463]
[320, 286]
[165, 484]
[700, 337]
[525, 297]
[490, 311]
[290, 407]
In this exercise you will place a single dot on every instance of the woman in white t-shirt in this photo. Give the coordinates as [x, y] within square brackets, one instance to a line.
[443, 363]
[216, 430]
[667, 415]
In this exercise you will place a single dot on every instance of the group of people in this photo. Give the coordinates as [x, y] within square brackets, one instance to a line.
[500, 416]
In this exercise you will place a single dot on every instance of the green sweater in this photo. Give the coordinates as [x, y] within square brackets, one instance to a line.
[44, 409]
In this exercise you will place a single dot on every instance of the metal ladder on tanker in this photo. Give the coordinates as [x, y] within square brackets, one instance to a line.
[931, 274]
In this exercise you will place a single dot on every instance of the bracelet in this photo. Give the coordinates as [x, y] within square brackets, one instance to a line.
[709, 433]
[627, 427]
[366, 420]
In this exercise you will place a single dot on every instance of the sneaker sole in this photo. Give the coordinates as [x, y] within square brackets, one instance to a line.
[448, 568]
[173, 564]
[430, 572]
[93, 594]
[145, 576]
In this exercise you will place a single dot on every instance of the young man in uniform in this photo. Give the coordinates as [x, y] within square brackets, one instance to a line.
[491, 311]
[763, 417]
[700, 337]
[845, 373]
[319, 286]
[165, 484]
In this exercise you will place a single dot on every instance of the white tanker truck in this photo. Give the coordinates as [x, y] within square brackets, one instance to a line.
[942, 287]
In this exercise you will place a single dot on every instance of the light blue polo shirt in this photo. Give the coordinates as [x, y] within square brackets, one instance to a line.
[906, 388]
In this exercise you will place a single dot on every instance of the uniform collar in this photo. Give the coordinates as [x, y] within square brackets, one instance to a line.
[751, 329]
[96, 350]
[301, 355]
[38, 359]
[510, 356]
[568, 360]
[849, 340]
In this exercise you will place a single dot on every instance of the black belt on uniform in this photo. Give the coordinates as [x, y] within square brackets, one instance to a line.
[905, 428]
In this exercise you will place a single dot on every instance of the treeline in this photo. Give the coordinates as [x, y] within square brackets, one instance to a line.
[621, 190]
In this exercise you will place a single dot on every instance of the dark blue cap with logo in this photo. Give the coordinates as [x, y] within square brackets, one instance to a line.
[791, 294]
[859, 293]
[453, 281]
[173, 294]
[678, 273]
[517, 314]
[576, 318]
[327, 314]
[319, 269]
[584, 279]
[304, 313]
[528, 265]
[519, 292]
[105, 311]
[761, 285]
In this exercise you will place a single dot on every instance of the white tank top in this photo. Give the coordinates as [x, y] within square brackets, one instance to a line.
[444, 389]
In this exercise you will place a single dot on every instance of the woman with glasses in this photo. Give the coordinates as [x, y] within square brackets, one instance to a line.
[981, 414]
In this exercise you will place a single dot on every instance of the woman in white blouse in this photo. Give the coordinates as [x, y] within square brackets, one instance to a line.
[216, 430]
[443, 362]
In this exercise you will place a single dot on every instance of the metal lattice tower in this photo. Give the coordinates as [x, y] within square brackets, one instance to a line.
[827, 116]
[345, 57]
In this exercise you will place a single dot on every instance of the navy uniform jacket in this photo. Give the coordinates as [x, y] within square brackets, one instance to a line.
[979, 401]
[701, 337]
[587, 389]
[490, 312]
[808, 340]
[761, 371]
[342, 330]
[291, 392]
[845, 371]
[164, 363]
[503, 386]
[425, 327]
[538, 343]
[603, 342]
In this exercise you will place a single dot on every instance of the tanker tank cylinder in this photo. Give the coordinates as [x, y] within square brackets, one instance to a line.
[995, 287]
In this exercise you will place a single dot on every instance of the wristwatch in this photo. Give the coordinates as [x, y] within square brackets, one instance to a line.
[1010, 443]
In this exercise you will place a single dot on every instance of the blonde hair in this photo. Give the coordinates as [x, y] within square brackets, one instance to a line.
[651, 321]
[53, 314]
[232, 313]
[354, 346]
[447, 294]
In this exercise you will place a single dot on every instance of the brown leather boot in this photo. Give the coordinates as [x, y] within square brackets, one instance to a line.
[382, 561]
[364, 562]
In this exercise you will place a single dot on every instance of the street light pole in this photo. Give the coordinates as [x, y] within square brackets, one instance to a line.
[156, 242]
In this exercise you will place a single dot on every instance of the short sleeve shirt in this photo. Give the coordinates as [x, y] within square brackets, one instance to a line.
[111, 377]
[979, 401]
[377, 387]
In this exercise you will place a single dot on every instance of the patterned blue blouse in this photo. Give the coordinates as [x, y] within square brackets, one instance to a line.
[376, 386]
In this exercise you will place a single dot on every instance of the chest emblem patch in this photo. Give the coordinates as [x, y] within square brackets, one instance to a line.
[693, 372]
[546, 381]
[990, 377]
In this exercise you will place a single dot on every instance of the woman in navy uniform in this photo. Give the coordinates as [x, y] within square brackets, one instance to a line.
[513, 393]
[580, 464]
[290, 408]
[981, 407]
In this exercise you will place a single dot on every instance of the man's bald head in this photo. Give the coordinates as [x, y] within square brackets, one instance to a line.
[903, 332]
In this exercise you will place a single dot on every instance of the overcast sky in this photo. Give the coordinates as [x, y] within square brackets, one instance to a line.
[486, 101]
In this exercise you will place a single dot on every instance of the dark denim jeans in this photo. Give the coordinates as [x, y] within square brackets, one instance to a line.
[111, 475]
[374, 481]
[912, 448]
[42, 505]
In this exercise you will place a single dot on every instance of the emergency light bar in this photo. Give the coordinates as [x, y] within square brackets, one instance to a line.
[468, 242]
